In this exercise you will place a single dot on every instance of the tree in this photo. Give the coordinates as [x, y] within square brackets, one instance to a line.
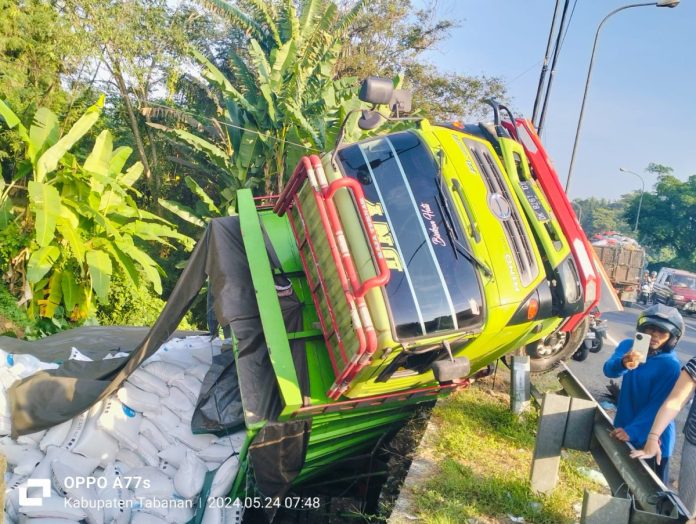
[35, 51]
[389, 38]
[134, 49]
[599, 215]
[82, 219]
[668, 218]
[277, 99]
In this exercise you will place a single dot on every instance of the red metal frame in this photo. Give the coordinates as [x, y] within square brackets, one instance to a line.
[562, 208]
[310, 168]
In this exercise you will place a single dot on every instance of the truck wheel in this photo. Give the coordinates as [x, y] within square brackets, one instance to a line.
[559, 345]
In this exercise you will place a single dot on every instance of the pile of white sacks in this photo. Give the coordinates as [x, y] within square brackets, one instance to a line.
[131, 457]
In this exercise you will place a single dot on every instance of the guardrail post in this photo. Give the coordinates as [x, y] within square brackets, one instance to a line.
[602, 509]
[520, 385]
[547, 448]
[580, 425]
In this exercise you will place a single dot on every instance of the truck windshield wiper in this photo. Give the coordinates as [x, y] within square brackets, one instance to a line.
[457, 246]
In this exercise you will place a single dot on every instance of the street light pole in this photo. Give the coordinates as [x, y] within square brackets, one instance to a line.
[659, 3]
[642, 190]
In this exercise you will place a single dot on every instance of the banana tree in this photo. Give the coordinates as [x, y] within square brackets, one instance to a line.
[85, 223]
[278, 100]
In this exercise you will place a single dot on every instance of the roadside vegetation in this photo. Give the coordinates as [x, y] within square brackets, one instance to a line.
[126, 126]
[481, 457]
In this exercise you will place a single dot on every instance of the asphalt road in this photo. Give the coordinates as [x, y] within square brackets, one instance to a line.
[622, 325]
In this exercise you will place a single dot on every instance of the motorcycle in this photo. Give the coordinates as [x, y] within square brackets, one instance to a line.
[594, 338]
[645, 294]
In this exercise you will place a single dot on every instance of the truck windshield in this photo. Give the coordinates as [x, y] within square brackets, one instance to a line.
[433, 288]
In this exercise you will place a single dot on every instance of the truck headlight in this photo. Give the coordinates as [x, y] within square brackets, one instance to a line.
[568, 275]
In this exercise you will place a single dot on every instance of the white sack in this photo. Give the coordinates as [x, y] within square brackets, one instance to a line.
[137, 399]
[154, 435]
[165, 420]
[188, 481]
[94, 442]
[121, 423]
[224, 477]
[129, 458]
[147, 451]
[199, 371]
[149, 382]
[56, 435]
[165, 371]
[196, 442]
[175, 454]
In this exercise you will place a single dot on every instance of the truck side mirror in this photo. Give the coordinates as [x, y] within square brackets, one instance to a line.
[380, 91]
[376, 90]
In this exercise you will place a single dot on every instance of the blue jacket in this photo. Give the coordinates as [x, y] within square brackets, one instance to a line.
[643, 390]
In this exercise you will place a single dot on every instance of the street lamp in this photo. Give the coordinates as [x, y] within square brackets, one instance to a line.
[659, 3]
[642, 190]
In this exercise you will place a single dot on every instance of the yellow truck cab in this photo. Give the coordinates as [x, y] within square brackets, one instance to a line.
[440, 269]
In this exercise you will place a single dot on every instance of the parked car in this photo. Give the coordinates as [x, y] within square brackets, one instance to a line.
[675, 287]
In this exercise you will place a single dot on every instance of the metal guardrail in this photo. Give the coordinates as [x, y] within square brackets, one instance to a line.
[577, 421]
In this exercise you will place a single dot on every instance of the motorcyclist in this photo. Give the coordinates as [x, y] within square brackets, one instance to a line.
[647, 287]
[646, 385]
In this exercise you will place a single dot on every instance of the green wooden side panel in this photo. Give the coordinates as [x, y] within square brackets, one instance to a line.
[269, 307]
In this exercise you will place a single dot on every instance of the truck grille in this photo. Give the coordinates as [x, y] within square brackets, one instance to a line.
[518, 240]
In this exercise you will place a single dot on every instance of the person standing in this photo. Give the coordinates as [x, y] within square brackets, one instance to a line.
[682, 391]
[646, 385]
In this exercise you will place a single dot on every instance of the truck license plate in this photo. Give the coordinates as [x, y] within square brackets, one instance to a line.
[539, 210]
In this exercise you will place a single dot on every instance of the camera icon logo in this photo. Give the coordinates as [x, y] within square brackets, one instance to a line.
[26, 500]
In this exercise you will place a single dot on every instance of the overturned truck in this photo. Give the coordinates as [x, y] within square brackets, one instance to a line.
[387, 274]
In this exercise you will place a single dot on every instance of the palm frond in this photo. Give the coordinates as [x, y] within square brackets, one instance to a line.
[243, 75]
[264, 11]
[214, 75]
[347, 20]
[234, 16]
[310, 9]
[288, 22]
[315, 43]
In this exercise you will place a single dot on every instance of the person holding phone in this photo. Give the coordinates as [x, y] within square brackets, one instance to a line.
[649, 374]
[682, 391]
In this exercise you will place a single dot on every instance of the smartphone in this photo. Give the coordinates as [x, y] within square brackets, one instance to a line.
[641, 344]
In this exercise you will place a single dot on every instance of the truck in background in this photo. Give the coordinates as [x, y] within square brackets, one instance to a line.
[624, 261]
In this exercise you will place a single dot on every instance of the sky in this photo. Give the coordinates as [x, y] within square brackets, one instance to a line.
[641, 104]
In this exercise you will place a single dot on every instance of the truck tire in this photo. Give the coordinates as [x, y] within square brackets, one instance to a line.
[546, 354]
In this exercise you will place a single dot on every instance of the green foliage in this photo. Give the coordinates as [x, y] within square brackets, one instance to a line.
[83, 221]
[13, 320]
[668, 220]
[390, 37]
[132, 306]
[279, 99]
[599, 214]
[34, 45]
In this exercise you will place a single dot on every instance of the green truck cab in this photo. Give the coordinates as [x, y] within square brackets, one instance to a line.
[387, 273]
[427, 257]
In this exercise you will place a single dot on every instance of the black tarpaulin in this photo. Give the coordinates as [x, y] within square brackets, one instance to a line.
[50, 397]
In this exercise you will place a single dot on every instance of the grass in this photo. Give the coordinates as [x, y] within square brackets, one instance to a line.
[482, 456]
